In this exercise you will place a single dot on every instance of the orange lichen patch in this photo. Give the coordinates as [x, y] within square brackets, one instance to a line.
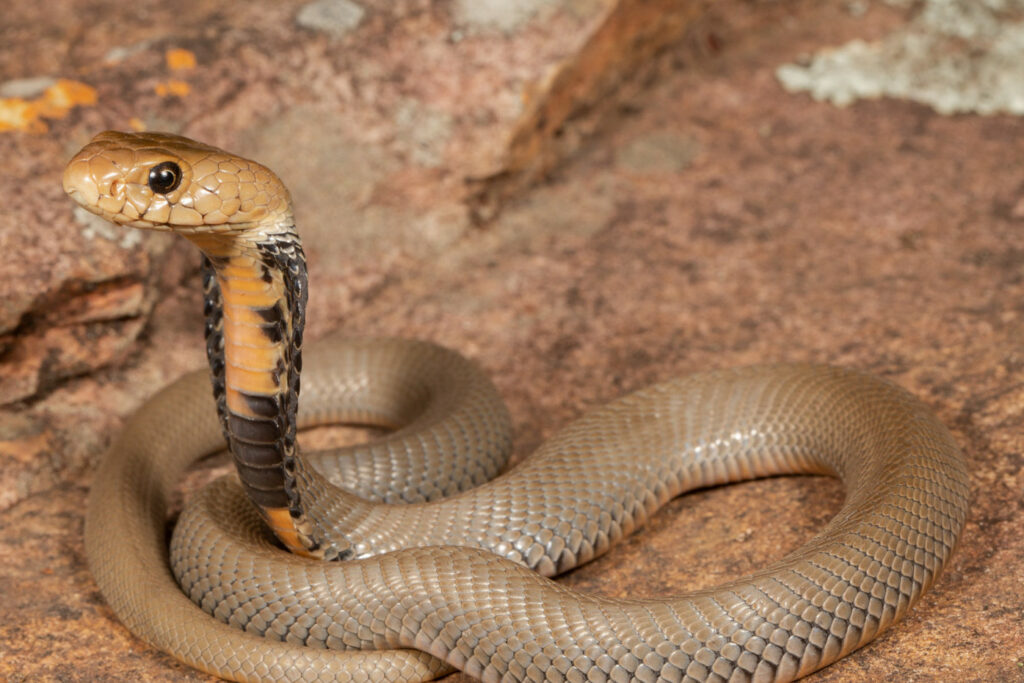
[180, 59]
[18, 114]
[56, 101]
[63, 96]
[137, 124]
[173, 87]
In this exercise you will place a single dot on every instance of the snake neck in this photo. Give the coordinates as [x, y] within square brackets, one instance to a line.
[255, 293]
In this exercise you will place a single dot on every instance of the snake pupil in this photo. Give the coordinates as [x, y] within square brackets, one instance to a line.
[164, 177]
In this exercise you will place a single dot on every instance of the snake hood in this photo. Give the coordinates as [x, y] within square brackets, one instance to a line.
[160, 181]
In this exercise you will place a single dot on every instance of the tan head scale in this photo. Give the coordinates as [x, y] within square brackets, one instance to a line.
[167, 182]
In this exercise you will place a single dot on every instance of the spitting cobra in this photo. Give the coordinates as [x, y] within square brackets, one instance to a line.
[394, 560]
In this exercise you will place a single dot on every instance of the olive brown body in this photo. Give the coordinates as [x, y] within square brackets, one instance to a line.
[456, 574]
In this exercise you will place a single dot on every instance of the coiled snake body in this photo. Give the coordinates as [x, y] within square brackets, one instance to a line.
[419, 586]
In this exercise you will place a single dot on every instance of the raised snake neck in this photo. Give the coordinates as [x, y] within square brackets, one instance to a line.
[476, 602]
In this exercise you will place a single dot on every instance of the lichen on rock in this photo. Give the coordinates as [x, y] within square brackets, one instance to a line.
[956, 56]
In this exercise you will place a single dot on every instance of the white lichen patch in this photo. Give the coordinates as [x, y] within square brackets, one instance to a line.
[956, 56]
[94, 227]
[336, 17]
[497, 15]
[26, 87]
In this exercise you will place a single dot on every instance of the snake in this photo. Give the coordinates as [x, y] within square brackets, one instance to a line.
[421, 552]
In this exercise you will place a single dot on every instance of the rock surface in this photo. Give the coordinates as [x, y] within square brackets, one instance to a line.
[700, 217]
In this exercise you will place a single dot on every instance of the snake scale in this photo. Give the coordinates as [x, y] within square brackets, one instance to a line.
[404, 563]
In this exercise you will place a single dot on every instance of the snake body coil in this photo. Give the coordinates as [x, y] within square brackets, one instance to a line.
[460, 581]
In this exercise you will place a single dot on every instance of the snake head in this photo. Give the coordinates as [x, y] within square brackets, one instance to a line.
[160, 181]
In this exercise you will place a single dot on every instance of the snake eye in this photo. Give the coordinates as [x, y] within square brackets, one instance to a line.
[164, 177]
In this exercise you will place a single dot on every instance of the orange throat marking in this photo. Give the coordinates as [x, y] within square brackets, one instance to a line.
[252, 355]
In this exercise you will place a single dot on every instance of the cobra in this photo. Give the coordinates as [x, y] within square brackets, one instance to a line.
[399, 569]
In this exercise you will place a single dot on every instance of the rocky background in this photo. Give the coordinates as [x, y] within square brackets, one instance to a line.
[585, 196]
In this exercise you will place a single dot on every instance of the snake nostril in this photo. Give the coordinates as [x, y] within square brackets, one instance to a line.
[118, 188]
